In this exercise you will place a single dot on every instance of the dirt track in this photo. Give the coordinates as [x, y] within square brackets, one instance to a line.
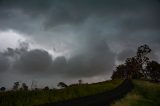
[102, 99]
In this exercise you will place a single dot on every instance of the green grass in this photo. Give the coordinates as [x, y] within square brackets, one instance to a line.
[30, 98]
[144, 94]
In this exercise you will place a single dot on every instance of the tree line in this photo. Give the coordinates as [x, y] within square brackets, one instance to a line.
[17, 86]
[138, 67]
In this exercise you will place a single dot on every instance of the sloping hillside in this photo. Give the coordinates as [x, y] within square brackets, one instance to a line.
[29, 98]
[144, 94]
[100, 99]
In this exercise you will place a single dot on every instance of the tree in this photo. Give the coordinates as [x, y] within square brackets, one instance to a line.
[24, 86]
[133, 68]
[2, 89]
[16, 86]
[79, 81]
[120, 73]
[46, 88]
[142, 51]
[153, 71]
[142, 58]
[62, 85]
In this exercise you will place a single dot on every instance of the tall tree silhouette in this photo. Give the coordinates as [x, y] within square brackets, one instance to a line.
[142, 58]
[134, 66]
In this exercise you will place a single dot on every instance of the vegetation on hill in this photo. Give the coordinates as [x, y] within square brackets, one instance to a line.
[145, 93]
[35, 97]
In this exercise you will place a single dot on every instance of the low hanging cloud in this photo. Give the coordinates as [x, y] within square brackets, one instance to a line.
[34, 61]
[96, 60]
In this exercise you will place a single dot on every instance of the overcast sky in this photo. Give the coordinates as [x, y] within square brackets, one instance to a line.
[48, 41]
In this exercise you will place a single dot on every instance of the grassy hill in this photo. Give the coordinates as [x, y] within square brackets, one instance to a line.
[144, 94]
[30, 98]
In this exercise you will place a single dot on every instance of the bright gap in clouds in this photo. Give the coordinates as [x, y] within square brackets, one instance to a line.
[10, 38]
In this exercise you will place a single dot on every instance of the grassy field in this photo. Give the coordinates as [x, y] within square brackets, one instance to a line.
[30, 98]
[144, 94]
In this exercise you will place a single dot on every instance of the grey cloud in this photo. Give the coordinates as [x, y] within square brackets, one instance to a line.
[34, 61]
[97, 59]
[63, 12]
[125, 20]
[122, 56]
[91, 64]
[59, 66]
[127, 53]
[4, 63]
[23, 48]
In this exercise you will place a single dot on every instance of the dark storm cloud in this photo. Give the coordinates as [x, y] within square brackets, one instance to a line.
[142, 14]
[126, 20]
[96, 60]
[25, 60]
[99, 60]
[33, 61]
[91, 32]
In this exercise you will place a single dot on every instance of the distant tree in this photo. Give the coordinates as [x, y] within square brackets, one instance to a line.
[24, 86]
[36, 89]
[46, 88]
[153, 71]
[62, 85]
[16, 86]
[2, 89]
[79, 81]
